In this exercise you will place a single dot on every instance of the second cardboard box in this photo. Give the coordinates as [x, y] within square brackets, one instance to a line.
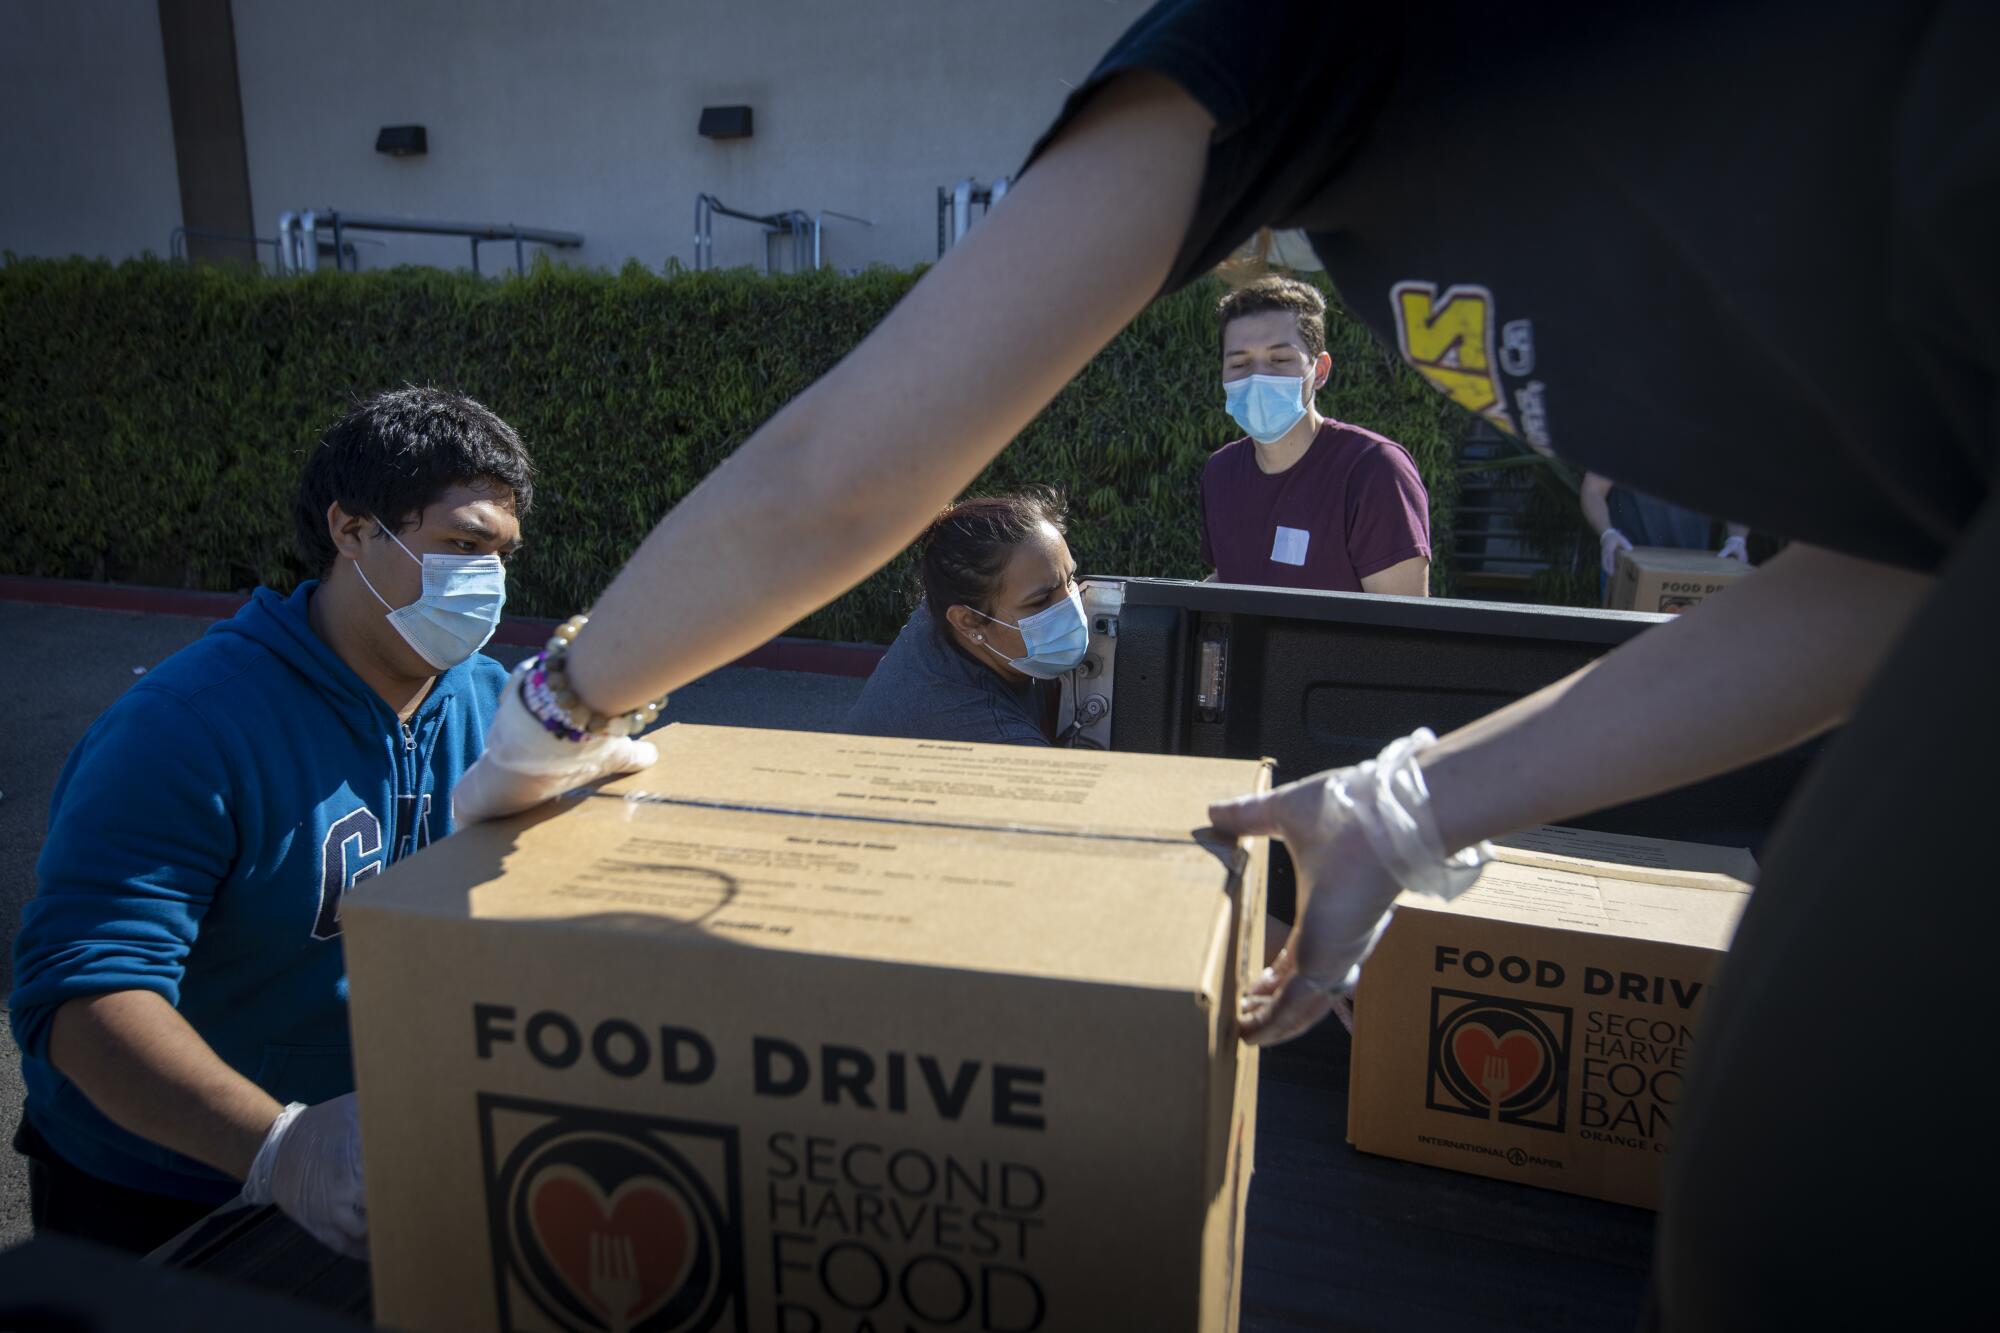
[1538, 1028]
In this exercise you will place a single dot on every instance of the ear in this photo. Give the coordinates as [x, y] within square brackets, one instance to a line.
[348, 531]
[1321, 369]
[967, 622]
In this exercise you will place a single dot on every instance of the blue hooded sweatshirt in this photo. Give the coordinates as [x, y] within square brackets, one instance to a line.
[201, 837]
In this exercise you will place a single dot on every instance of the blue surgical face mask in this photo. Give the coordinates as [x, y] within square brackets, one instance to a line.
[1266, 406]
[1055, 639]
[458, 610]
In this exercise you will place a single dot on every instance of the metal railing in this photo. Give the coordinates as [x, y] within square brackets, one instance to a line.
[298, 236]
[792, 222]
[819, 225]
[177, 240]
[806, 231]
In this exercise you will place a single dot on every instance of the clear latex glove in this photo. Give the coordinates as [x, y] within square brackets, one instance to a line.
[1608, 546]
[310, 1166]
[1358, 836]
[1735, 549]
[525, 765]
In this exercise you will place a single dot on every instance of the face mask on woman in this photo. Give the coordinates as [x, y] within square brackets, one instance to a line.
[459, 608]
[1055, 639]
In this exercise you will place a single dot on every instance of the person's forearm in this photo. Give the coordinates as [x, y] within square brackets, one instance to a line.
[1596, 504]
[836, 484]
[1772, 661]
[144, 1067]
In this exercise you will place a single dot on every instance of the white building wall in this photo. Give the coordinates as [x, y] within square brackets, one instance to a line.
[86, 141]
[582, 117]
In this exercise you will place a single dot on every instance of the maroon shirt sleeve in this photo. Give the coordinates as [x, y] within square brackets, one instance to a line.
[1388, 511]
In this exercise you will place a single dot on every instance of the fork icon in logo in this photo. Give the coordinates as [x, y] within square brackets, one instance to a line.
[1498, 1058]
[614, 1278]
[1494, 1082]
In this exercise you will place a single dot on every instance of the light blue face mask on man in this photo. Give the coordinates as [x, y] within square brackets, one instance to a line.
[459, 608]
[1056, 639]
[1266, 406]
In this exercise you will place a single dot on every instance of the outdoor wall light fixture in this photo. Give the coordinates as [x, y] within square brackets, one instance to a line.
[402, 141]
[725, 122]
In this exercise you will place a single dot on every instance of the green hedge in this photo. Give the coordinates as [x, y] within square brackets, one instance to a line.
[153, 416]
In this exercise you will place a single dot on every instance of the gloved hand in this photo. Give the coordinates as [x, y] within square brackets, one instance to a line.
[310, 1166]
[1357, 836]
[1608, 546]
[1735, 549]
[525, 765]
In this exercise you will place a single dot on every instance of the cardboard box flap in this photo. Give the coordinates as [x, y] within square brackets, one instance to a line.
[1624, 849]
[1671, 559]
[1650, 897]
[945, 784]
[777, 840]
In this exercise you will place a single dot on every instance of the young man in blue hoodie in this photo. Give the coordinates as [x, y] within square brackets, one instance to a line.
[180, 999]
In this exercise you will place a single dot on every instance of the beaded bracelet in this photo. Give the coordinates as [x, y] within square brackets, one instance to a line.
[550, 700]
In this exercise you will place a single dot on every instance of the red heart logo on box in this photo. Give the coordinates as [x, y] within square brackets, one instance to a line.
[624, 1255]
[1518, 1053]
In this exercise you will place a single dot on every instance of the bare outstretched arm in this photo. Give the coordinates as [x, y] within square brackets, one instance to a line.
[845, 476]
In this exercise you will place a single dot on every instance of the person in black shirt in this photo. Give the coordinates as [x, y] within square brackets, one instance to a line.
[1738, 255]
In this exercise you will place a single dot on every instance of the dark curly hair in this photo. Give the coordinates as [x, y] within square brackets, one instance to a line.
[395, 454]
[961, 554]
[1301, 300]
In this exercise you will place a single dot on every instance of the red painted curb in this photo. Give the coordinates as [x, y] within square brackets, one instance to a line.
[121, 597]
[780, 654]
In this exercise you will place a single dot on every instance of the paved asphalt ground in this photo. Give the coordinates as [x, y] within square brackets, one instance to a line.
[75, 663]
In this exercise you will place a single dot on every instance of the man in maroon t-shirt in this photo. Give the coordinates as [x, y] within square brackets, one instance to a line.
[1304, 501]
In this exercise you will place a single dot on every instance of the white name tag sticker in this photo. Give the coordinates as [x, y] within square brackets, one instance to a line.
[1289, 546]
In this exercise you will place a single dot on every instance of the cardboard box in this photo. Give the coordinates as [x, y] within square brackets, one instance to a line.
[1538, 1027]
[817, 1033]
[1663, 578]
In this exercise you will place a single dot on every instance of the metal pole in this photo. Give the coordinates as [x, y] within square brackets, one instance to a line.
[961, 209]
[475, 254]
[339, 265]
[520, 263]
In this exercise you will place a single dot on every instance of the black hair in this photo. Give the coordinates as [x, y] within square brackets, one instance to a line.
[961, 554]
[396, 454]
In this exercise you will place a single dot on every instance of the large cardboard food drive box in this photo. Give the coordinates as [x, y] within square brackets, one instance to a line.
[817, 1034]
[1664, 578]
[1538, 1027]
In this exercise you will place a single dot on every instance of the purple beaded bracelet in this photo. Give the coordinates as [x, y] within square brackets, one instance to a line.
[547, 695]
